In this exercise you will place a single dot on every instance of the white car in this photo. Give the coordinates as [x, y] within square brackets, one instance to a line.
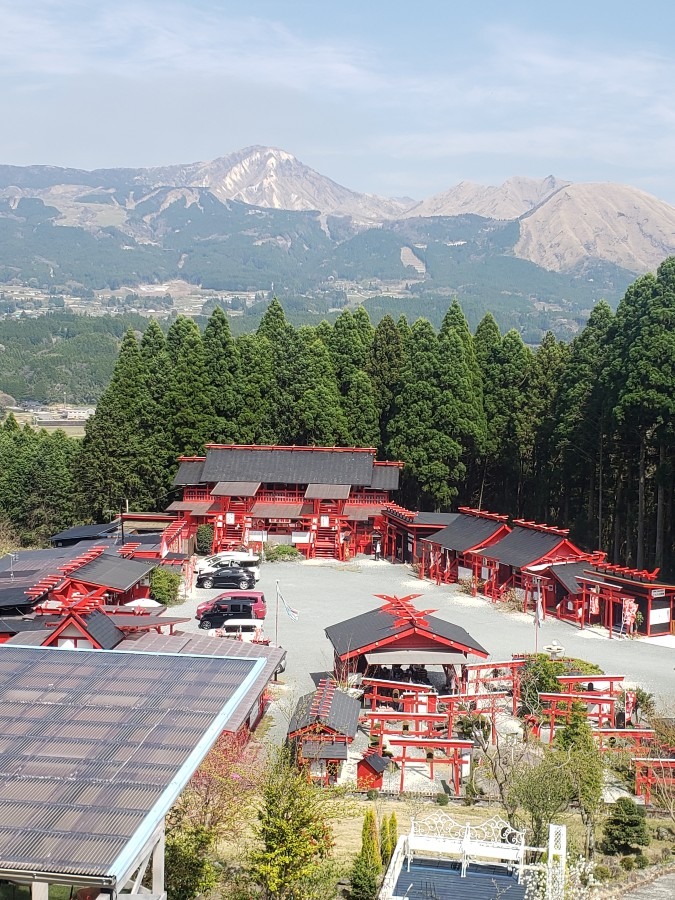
[229, 558]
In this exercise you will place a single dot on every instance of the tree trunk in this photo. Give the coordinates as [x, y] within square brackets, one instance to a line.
[590, 513]
[640, 550]
[660, 507]
[618, 499]
[600, 495]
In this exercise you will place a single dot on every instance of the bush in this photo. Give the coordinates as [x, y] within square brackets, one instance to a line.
[373, 794]
[281, 552]
[641, 861]
[442, 799]
[164, 586]
[627, 863]
[602, 873]
[626, 827]
[204, 538]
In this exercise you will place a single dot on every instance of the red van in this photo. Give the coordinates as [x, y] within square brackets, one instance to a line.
[231, 605]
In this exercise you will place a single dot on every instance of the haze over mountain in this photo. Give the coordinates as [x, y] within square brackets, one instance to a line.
[560, 226]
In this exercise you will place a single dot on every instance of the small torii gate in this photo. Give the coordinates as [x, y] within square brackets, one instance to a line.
[559, 707]
[455, 751]
[650, 772]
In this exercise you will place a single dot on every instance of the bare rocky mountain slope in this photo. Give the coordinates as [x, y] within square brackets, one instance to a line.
[505, 201]
[610, 222]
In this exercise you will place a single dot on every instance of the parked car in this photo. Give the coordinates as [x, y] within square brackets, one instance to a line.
[234, 604]
[229, 576]
[230, 558]
[248, 630]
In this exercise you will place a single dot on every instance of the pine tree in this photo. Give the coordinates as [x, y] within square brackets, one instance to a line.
[188, 410]
[626, 827]
[393, 832]
[585, 768]
[384, 365]
[113, 447]
[418, 430]
[349, 346]
[222, 366]
[256, 420]
[316, 415]
[385, 841]
[360, 411]
[365, 873]
[273, 324]
[159, 460]
[50, 500]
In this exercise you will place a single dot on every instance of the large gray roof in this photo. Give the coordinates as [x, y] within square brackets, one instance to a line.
[114, 571]
[293, 466]
[465, 532]
[96, 746]
[377, 626]
[523, 546]
[189, 472]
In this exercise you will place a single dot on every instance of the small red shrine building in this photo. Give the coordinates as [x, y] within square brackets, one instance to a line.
[445, 551]
[323, 726]
[399, 634]
[405, 529]
[327, 501]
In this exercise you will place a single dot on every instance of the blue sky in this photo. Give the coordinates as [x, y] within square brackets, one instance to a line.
[389, 97]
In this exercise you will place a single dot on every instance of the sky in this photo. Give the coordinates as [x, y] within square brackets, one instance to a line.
[393, 98]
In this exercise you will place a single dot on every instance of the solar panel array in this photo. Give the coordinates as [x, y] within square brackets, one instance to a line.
[89, 742]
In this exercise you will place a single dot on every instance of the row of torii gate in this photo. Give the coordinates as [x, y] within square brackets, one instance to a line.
[413, 724]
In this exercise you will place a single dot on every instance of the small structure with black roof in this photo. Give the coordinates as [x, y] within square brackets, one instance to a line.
[445, 551]
[370, 770]
[405, 529]
[78, 533]
[323, 725]
[396, 634]
[327, 501]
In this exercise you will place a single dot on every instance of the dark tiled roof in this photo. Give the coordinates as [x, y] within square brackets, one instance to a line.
[278, 510]
[523, 547]
[376, 762]
[189, 472]
[566, 573]
[385, 478]
[361, 512]
[324, 750]
[465, 532]
[328, 491]
[432, 518]
[370, 627]
[236, 489]
[27, 639]
[18, 625]
[96, 745]
[113, 571]
[85, 532]
[299, 466]
[102, 629]
[329, 706]
[19, 575]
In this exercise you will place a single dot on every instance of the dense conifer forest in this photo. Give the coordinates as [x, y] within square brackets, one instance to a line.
[579, 435]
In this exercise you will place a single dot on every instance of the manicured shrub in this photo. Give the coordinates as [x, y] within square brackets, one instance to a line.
[602, 873]
[373, 794]
[164, 586]
[442, 799]
[204, 538]
[281, 552]
[627, 863]
[626, 827]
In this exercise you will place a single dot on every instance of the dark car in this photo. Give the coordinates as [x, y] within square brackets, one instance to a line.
[227, 577]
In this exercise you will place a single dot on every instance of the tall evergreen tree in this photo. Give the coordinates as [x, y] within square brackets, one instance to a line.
[188, 409]
[50, 496]
[349, 346]
[315, 400]
[418, 434]
[222, 365]
[360, 411]
[113, 448]
[384, 365]
[255, 419]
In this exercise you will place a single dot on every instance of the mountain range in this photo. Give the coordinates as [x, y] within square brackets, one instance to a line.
[259, 216]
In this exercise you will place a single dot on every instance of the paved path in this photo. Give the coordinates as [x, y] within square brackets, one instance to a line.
[661, 889]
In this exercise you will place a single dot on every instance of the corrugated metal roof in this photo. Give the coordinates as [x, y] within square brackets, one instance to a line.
[114, 571]
[465, 532]
[377, 626]
[236, 489]
[189, 472]
[328, 491]
[89, 743]
[523, 547]
[296, 466]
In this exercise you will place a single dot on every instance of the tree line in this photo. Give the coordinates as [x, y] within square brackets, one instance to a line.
[578, 435]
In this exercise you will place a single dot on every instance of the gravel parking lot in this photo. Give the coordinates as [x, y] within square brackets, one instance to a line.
[326, 592]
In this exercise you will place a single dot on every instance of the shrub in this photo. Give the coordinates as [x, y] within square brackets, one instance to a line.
[626, 827]
[204, 538]
[442, 799]
[164, 586]
[641, 861]
[627, 863]
[602, 873]
[372, 794]
[281, 552]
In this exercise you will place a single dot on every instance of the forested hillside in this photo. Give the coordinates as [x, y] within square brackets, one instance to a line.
[578, 435]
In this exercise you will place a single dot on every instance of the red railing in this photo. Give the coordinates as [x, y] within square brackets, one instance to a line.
[197, 494]
[372, 499]
[280, 497]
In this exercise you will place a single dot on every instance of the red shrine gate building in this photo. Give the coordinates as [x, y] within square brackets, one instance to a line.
[327, 501]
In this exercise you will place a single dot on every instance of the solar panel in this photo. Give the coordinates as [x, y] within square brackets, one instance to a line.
[90, 742]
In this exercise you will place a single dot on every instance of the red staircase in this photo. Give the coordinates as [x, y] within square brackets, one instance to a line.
[228, 535]
[327, 544]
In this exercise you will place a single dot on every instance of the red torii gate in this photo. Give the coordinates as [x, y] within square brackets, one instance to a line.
[385, 723]
[478, 678]
[619, 740]
[649, 772]
[382, 691]
[474, 704]
[574, 683]
[454, 749]
[559, 706]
